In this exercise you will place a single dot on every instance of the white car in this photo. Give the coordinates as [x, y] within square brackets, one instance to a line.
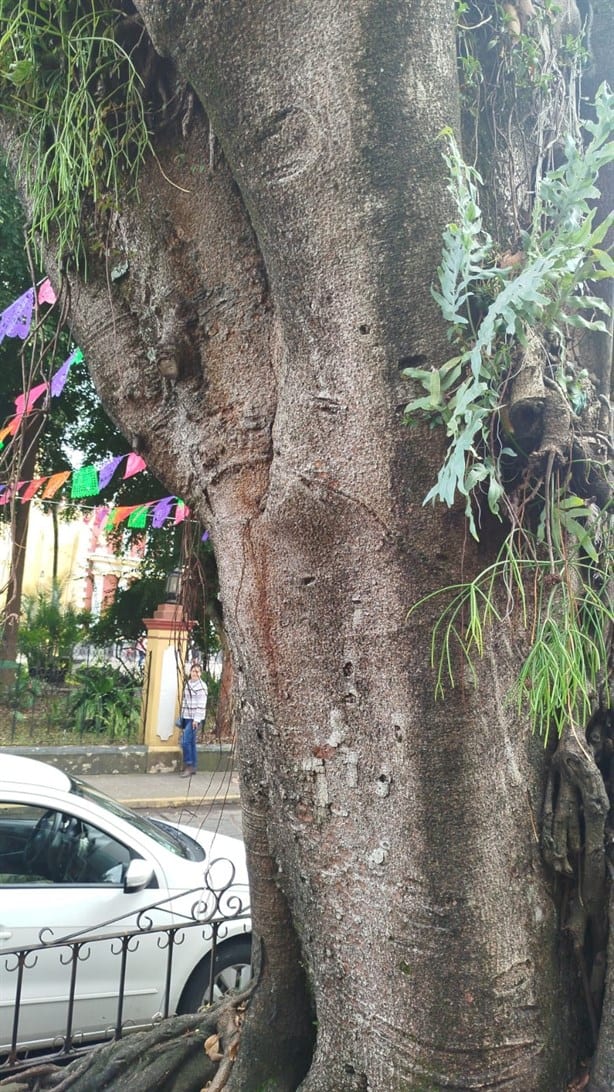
[74, 866]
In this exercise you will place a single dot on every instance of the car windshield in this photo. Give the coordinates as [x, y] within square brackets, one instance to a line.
[175, 842]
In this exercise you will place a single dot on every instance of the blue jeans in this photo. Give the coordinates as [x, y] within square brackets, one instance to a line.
[188, 742]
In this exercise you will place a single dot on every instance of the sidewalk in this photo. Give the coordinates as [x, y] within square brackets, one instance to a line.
[168, 790]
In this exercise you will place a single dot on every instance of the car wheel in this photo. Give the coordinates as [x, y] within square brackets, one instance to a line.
[232, 971]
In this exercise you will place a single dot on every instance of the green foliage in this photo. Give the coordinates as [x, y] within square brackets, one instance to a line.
[551, 570]
[506, 54]
[48, 634]
[106, 701]
[14, 272]
[560, 679]
[123, 619]
[561, 607]
[490, 309]
[23, 691]
[66, 75]
[14, 279]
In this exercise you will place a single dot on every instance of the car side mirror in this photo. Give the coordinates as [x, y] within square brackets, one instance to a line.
[139, 874]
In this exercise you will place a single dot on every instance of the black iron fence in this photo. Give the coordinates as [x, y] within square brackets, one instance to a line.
[99, 700]
[65, 994]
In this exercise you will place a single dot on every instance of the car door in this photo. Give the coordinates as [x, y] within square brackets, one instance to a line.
[61, 877]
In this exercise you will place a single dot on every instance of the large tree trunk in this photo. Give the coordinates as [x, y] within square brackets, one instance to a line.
[253, 353]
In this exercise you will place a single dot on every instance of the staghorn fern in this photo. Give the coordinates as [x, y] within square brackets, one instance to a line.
[562, 253]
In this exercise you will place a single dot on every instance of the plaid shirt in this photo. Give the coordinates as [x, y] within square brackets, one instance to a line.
[194, 703]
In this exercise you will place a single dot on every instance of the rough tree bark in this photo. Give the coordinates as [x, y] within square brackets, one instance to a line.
[276, 288]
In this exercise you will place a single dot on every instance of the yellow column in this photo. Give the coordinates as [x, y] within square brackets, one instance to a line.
[167, 641]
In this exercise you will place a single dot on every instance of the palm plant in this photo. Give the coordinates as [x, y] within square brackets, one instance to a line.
[48, 634]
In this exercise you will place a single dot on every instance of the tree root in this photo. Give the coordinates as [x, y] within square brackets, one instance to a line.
[573, 844]
[228, 1035]
[170, 1057]
[527, 395]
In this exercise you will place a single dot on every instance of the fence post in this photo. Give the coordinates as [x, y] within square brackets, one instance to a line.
[167, 642]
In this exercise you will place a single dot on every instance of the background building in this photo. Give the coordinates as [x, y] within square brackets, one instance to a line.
[88, 570]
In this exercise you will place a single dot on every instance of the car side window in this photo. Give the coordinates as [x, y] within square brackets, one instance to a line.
[47, 846]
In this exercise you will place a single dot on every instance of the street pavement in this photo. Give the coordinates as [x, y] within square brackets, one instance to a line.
[169, 790]
[218, 820]
[208, 799]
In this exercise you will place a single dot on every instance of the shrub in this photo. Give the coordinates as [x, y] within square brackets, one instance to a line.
[48, 634]
[106, 701]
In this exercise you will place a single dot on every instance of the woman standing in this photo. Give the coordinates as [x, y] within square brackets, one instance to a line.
[193, 710]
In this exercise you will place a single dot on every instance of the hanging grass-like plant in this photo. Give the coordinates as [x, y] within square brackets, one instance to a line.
[559, 602]
[74, 88]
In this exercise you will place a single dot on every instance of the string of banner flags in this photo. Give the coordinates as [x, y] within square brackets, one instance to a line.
[88, 481]
[16, 321]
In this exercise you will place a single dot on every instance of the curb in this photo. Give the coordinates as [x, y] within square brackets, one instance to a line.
[132, 759]
[156, 802]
